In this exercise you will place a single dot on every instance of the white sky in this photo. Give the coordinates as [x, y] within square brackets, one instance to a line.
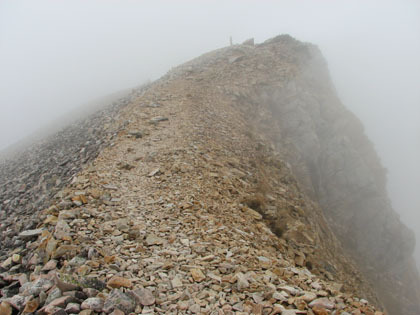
[57, 55]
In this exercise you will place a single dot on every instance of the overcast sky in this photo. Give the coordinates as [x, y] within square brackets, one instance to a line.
[58, 55]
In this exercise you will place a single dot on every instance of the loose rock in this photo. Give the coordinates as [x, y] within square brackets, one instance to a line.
[94, 304]
[118, 282]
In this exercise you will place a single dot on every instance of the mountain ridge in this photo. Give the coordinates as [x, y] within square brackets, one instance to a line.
[199, 167]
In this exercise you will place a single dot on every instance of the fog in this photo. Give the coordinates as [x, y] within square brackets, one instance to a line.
[58, 55]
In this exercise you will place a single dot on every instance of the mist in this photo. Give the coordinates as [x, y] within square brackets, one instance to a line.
[56, 56]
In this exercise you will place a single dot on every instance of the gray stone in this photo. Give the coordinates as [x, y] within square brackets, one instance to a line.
[65, 250]
[90, 292]
[322, 303]
[289, 289]
[93, 283]
[154, 240]
[176, 282]
[242, 282]
[238, 306]
[52, 295]
[94, 304]
[119, 300]
[308, 296]
[77, 261]
[17, 301]
[73, 308]
[195, 309]
[57, 311]
[136, 134]
[36, 287]
[280, 296]
[158, 119]
[50, 265]
[62, 301]
[144, 297]
[68, 214]
[30, 233]
[80, 295]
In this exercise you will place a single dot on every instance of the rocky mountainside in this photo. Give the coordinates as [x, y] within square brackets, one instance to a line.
[31, 176]
[235, 184]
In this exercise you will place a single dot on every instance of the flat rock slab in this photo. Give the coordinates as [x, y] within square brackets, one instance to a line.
[94, 304]
[154, 240]
[118, 282]
[144, 297]
[30, 233]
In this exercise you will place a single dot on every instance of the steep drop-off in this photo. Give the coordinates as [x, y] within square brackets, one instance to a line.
[337, 166]
[235, 184]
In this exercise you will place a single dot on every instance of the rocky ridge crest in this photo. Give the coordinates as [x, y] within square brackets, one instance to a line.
[200, 199]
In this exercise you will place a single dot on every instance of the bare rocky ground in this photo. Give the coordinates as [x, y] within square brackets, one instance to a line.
[181, 208]
[33, 173]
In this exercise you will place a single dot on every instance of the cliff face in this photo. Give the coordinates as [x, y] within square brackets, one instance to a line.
[338, 167]
[235, 183]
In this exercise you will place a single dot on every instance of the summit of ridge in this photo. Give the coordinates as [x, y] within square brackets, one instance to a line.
[235, 184]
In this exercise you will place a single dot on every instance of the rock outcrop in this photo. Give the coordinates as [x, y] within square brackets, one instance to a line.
[235, 184]
[337, 165]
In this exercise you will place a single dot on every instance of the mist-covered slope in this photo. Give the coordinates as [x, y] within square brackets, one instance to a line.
[35, 169]
[237, 183]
